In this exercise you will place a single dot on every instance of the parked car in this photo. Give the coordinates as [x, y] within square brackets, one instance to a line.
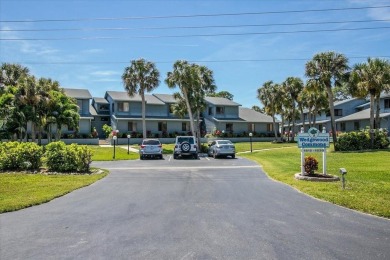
[220, 148]
[185, 146]
[151, 148]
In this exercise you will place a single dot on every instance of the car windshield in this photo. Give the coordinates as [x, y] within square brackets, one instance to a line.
[151, 142]
[224, 142]
[186, 139]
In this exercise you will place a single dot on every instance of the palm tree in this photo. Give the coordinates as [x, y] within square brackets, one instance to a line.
[269, 94]
[183, 76]
[292, 87]
[316, 100]
[142, 76]
[11, 73]
[30, 94]
[370, 79]
[63, 110]
[328, 68]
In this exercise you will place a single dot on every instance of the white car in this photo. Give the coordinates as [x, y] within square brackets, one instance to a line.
[151, 148]
[185, 146]
[220, 148]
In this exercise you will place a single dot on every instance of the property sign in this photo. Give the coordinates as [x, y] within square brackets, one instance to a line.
[313, 140]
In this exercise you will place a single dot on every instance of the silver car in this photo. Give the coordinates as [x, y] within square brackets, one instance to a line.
[219, 148]
[151, 148]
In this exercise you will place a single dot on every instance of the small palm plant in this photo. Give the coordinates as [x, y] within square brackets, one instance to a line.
[311, 164]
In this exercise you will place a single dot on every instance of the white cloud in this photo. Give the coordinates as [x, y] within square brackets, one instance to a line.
[105, 73]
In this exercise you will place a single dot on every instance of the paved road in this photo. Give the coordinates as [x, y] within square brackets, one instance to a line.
[190, 209]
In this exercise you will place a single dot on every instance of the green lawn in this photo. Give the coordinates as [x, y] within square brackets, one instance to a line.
[20, 190]
[368, 177]
[107, 153]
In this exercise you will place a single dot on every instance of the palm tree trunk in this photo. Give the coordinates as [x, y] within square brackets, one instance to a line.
[198, 130]
[143, 116]
[372, 123]
[332, 120]
[377, 112]
[293, 125]
[189, 111]
[274, 123]
[282, 133]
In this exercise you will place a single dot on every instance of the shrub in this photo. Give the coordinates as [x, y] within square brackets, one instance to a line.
[360, 140]
[311, 164]
[20, 156]
[107, 130]
[71, 158]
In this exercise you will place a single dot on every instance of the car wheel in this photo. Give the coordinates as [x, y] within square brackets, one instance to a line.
[141, 157]
[195, 156]
[174, 156]
[185, 147]
[161, 157]
[233, 156]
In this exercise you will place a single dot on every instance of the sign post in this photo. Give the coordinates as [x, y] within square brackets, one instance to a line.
[313, 141]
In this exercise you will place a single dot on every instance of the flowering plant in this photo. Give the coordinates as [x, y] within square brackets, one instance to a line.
[311, 164]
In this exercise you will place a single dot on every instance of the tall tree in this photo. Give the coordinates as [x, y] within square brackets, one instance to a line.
[194, 82]
[328, 68]
[140, 77]
[292, 87]
[63, 110]
[268, 95]
[370, 79]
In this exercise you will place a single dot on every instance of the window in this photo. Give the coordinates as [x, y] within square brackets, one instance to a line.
[103, 107]
[338, 112]
[305, 116]
[123, 106]
[229, 127]
[162, 126]
[251, 127]
[113, 107]
[270, 127]
[220, 111]
[185, 126]
[132, 126]
[387, 103]
[342, 126]
[356, 125]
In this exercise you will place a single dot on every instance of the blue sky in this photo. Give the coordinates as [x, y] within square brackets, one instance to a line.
[97, 64]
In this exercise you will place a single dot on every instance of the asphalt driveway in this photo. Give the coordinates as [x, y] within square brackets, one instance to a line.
[190, 209]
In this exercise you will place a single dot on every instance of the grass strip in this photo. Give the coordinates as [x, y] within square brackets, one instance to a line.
[21, 190]
[368, 178]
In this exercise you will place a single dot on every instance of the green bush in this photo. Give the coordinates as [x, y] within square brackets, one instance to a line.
[20, 156]
[68, 158]
[360, 140]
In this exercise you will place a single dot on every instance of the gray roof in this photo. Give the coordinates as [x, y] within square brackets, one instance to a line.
[337, 103]
[123, 96]
[166, 98]
[77, 93]
[364, 114]
[219, 101]
[251, 115]
[100, 100]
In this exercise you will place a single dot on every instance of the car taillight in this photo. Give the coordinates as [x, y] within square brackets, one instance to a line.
[195, 146]
[142, 146]
[160, 146]
[176, 146]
